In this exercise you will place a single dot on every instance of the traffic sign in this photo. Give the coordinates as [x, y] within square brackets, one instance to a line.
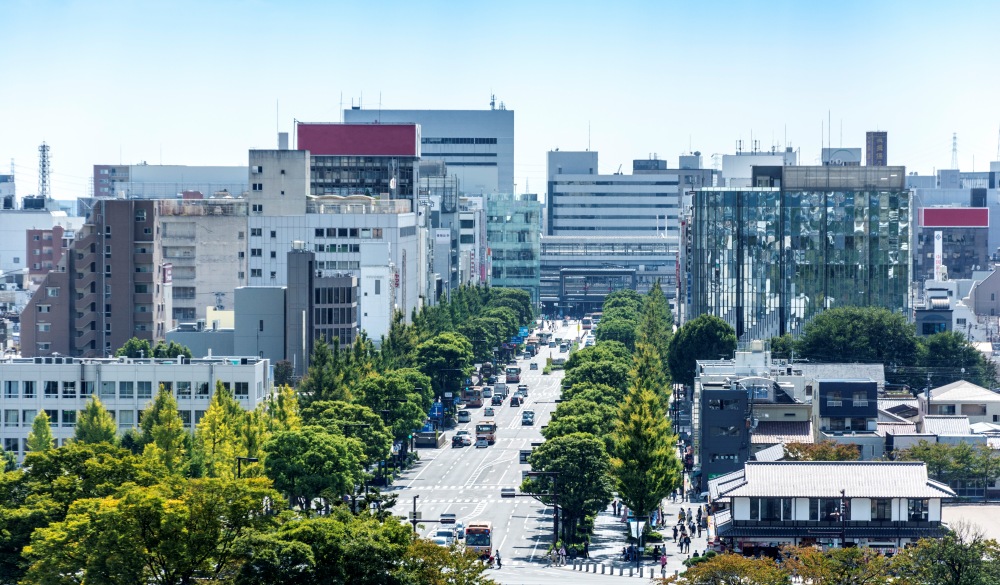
[415, 515]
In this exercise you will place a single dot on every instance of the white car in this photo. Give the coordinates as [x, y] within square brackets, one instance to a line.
[440, 541]
[447, 534]
[482, 444]
[460, 530]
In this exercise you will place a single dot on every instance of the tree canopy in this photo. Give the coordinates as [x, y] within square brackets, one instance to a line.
[705, 337]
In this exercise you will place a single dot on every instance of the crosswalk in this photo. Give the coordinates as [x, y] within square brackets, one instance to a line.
[474, 487]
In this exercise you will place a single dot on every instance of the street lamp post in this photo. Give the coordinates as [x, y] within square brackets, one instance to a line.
[239, 464]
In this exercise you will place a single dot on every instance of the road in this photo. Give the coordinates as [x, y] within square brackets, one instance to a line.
[466, 481]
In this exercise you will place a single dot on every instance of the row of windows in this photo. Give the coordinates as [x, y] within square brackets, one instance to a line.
[337, 248]
[334, 295]
[458, 140]
[363, 233]
[259, 232]
[335, 316]
[111, 389]
[831, 509]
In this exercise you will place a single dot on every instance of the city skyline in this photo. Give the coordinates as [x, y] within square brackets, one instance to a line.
[101, 85]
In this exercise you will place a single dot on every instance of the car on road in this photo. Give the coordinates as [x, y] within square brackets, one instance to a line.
[589, 342]
[440, 541]
[528, 417]
[487, 392]
[447, 534]
[533, 366]
[553, 344]
[461, 439]
[564, 347]
[448, 518]
[522, 390]
[497, 400]
[488, 411]
[460, 530]
[482, 444]
[515, 400]
[464, 416]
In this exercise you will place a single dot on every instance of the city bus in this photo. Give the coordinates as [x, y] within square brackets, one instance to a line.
[479, 537]
[513, 374]
[487, 429]
[587, 323]
[473, 397]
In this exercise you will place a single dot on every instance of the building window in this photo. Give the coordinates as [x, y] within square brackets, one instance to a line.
[44, 308]
[256, 232]
[140, 215]
[186, 418]
[258, 186]
[52, 291]
[145, 390]
[824, 509]
[203, 390]
[242, 390]
[43, 327]
[241, 275]
[53, 415]
[126, 390]
[28, 416]
[10, 418]
[917, 510]
[274, 275]
[257, 169]
[69, 390]
[257, 208]
[274, 254]
[723, 404]
[274, 234]
[183, 389]
[882, 509]
[51, 389]
[107, 390]
[11, 445]
[87, 390]
[126, 419]
[256, 272]
[69, 418]
[10, 389]
[29, 389]
[255, 252]
[770, 509]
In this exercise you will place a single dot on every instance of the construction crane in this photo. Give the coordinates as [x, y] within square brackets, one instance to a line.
[619, 170]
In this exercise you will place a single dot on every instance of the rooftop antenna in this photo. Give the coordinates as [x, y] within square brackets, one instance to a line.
[341, 107]
[954, 150]
[588, 135]
[43, 171]
[493, 101]
[379, 107]
[13, 185]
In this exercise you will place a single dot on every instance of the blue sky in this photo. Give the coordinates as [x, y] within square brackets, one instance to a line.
[198, 81]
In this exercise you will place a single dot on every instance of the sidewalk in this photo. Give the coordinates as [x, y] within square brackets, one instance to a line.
[610, 536]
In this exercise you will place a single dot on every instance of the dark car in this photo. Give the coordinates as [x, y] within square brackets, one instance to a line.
[497, 399]
[515, 401]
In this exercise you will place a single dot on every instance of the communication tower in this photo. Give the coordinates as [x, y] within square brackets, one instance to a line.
[43, 171]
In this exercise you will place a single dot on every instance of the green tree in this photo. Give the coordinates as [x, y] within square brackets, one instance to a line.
[164, 438]
[135, 348]
[617, 329]
[357, 421]
[403, 398]
[217, 441]
[597, 393]
[446, 359]
[839, 566]
[399, 345]
[656, 323]
[170, 350]
[705, 337]
[326, 378]
[428, 563]
[644, 462]
[625, 297]
[583, 484]
[951, 357]
[284, 372]
[514, 298]
[859, 335]
[614, 374]
[963, 557]
[95, 425]
[283, 410]
[40, 438]
[733, 569]
[171, 534]
[309, 463]
[783, 347]
[822, 451]
[582, 416]
[612, 351]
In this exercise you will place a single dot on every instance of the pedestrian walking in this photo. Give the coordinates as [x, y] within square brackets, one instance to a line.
[687, 544]
[562, 555]
[663, 562]
[675, 533]
[699, 530]
[499, 561]
[586, 550]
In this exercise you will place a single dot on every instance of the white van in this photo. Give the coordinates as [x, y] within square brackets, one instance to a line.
[464, 416]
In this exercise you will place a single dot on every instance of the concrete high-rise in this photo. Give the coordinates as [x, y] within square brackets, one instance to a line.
[476, 145]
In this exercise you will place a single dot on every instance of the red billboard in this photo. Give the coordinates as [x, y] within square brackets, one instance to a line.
[359, 139]
[946, 217]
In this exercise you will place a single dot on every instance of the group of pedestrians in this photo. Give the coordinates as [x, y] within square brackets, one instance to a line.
[557, 557]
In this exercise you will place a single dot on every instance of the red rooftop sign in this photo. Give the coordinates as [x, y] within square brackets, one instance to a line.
[947, 217]
[360, 139]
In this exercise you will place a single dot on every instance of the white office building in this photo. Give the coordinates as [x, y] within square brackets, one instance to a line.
[583, 203]
[381, 241]
[476, 145]
[61, 387]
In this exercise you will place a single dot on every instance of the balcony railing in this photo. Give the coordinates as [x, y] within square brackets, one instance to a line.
[834, 402]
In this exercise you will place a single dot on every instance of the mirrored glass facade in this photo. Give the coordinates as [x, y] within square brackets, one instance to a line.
[767, 259]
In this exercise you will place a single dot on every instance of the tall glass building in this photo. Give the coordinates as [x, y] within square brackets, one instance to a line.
[513, 227]
[768, 258]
